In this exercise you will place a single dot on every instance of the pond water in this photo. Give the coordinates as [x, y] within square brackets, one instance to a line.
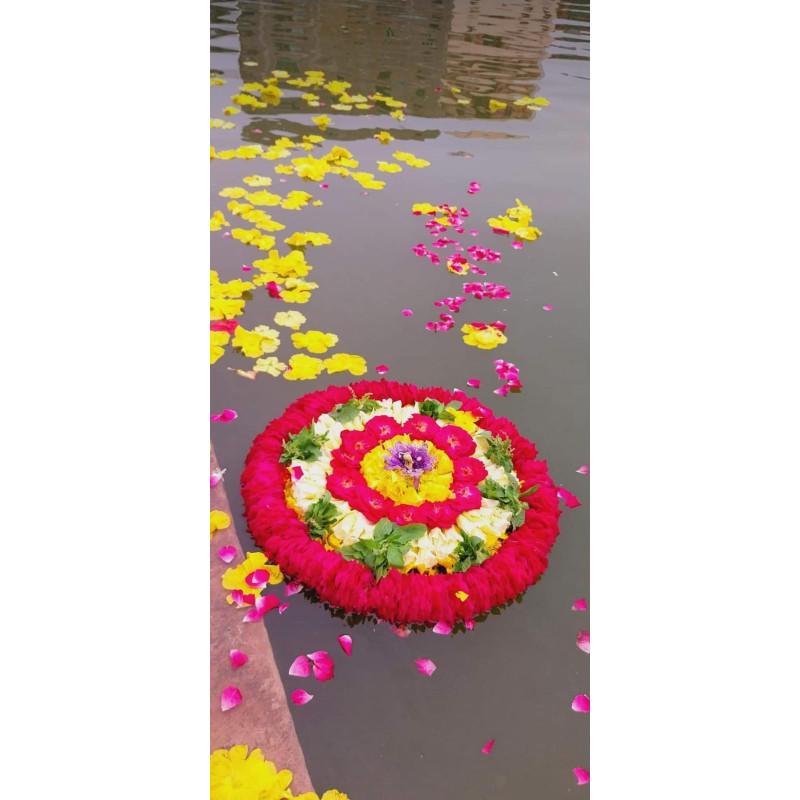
[379, 730]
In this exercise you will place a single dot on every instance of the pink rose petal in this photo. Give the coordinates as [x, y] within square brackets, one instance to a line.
[381, 369]
[227, 554]
[502, 391]
[282, 607]
[301, 667]
[583, 641]
[581, 703]
[228, 415]
[238, 658]
[581, 775]
[257, 579]
[583, 469]
[579, 605]
[487, 748]
[569, 499]
[474, 382]
[267, 603]
[425, 666]
[400, 631]
[346, 643]
[469, 624]
[442, 628]
[274, 290]
[245, 268]
[407, 312]
[473, 233]
[547, 308]
[216, 477]
[231, 697]
[293, 587]
[323, 186]
[301, 697]
[322, 665]
[297, 473]
[252, 616]
[257, 130]
[517, 245]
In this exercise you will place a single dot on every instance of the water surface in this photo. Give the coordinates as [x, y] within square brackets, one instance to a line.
[379, 730]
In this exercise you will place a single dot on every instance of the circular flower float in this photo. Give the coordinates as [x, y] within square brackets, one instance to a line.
[416, 505]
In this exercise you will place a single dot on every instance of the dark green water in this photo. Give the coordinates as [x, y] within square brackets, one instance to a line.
[379, 730]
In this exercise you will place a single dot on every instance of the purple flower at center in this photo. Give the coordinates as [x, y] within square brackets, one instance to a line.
[410, 459]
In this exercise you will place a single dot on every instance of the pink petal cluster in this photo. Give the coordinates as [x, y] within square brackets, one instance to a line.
[445, 325]
[425, 666]
[346, 643]
[320, 663]
[442, 628]
[228, 415]
[443, 242]
[231, 697]
[508, 372]
[300, 697]
[569, 499]
[453, 303]
[274, 290]
[216, 477]
[227, 554]
[262, 606]
[484, 254]
[492, 291]
[474, 187]
[238, 658]
[581, 704]
[581, 775]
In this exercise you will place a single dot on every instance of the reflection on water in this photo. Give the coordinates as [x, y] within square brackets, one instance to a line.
[407, 48]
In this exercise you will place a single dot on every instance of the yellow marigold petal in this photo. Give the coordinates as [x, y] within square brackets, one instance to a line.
[219, 521]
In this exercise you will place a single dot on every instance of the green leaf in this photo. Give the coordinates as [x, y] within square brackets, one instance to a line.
[518, 518]
[407, 533]
[383, 529]
[530, 491]
[304, 445]
[394, 555]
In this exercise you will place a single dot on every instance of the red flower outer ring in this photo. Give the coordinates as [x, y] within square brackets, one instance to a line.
[397, 598]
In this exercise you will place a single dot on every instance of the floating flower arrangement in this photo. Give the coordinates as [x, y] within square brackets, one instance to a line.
[416, 505]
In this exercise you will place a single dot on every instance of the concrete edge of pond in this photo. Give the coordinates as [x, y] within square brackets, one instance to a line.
[263, 718]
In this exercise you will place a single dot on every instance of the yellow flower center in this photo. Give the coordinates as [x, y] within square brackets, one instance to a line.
[434, 486]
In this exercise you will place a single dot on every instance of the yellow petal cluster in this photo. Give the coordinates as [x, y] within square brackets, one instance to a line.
[270, 365]
[218, 220]
[256, 342]
[346, 362]
[257, 180]
[290, 319]
[486, 339]
[314, 341]
[218, 339]
[303, 367]
[384, 137]
[219, 521]
[306, 237]
[411, 159]
[496, 105]
[434, 486]
[517, 221]
[234, 577]
[220, 123]
[385, 166]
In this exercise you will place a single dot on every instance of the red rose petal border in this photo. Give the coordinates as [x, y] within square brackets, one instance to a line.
[397, 598]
